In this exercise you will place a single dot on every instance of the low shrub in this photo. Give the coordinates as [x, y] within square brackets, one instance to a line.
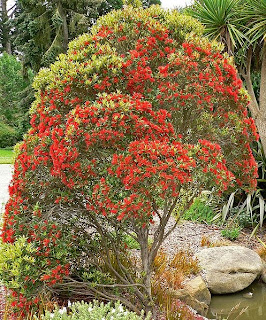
[8, 135]
[231, 233]
[200, 212]
[262, 249]
[168, 277]
[94, 310]
[207, 242]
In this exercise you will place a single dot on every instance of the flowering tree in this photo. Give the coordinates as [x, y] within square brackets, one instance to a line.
[134, 121]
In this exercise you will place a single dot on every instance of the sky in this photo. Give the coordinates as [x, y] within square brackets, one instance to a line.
[165, 3]
[175, 3]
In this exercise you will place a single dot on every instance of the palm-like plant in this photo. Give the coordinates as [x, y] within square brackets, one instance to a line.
[241, 26]
[255, 12]
[221, 21]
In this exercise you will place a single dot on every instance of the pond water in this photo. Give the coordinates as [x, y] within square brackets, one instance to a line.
[252, 304]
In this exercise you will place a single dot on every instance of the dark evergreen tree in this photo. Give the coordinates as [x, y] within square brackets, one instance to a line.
[5, 44]
[44, 28]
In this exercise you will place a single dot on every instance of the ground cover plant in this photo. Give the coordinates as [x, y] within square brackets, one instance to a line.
[200, 211]
[138, 118]
[94, 310]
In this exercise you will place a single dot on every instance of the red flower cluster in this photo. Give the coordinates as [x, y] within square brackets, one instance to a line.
[128, 117]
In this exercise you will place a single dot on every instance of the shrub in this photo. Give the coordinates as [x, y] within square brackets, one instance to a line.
[94, 310]
[8, 136]
[231, 233]
[138, 117]
[200, 212]
[262, 249]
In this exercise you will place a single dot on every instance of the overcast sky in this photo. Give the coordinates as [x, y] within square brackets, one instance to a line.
[165, 3]
[175, 3]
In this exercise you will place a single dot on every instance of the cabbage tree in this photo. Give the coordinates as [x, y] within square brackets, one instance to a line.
[241, 26]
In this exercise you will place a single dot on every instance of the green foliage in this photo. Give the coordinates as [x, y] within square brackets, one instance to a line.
[255, 78]
[221, 20]
[244, 219]
[130, 242]
[255, 13]
[42, 29]
[8, 135]
[231, 233]
[200, 212]
[13, 107]
[4, 27]
[94, 311]
[249, 209]
[16, 263]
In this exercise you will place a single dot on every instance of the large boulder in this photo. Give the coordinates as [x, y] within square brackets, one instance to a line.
[263, 275]
[229, 269]
[195, 294]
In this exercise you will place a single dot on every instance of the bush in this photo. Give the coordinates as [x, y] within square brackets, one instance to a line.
[231, 233]
[8, 136]
[93, 311]
[138, 117]
[200, 212]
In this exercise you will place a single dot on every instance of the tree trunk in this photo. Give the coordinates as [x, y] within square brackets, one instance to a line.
[65, 26]
[5, 30]
[261, 119]
[263, 81]
[258, 111]
[261, 126]
[147, 268]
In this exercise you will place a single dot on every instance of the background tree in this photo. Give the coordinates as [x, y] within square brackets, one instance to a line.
[44, 28]
[13, 109]
[5, 44]
[40, 31]
[241, 26]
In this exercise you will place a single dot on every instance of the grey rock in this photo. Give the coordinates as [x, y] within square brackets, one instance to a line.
[229, 269]
[263, 274]
[195, 294]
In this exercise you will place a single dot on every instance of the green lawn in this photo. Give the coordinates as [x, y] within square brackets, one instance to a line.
[6, 155]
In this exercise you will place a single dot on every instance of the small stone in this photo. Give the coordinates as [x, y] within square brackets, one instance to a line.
[248, 295]
[196, 295]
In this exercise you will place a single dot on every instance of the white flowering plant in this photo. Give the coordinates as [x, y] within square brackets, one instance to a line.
[94, 311]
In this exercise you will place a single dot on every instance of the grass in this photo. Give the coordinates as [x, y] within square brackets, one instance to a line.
[6, 156]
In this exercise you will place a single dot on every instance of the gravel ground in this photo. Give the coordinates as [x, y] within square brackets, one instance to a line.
[188, 235]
